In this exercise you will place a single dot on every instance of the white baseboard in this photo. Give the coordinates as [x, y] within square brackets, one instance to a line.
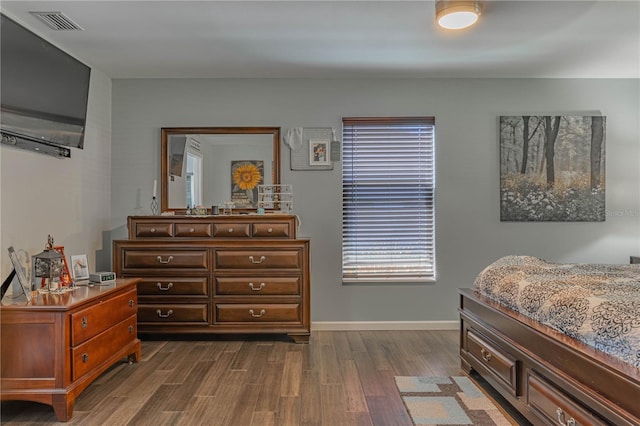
[384, 325]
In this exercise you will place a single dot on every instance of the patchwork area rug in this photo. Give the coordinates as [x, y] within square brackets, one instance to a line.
[454, 400]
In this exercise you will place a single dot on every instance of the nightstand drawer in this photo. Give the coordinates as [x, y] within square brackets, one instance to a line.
[236, 230]
[163, 286]
[93, 320]
[255, 286]
[258, 259]
[91, 353]
[257, 312]
[193, 230]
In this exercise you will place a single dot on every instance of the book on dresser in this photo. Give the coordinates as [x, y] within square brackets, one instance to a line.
[232, 274]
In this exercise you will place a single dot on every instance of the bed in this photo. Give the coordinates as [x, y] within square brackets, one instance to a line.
[561, 342]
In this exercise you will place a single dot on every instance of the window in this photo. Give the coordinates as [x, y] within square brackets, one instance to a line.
[388, 202]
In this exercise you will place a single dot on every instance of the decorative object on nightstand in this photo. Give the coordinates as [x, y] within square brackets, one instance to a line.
[48, 266]
[634, 259]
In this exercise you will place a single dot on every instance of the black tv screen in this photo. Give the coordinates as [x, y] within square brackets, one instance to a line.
[44, 91]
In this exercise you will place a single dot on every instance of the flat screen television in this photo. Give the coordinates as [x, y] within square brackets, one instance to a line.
[44, 91]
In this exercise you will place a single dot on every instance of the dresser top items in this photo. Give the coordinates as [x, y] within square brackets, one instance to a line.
[82, 294]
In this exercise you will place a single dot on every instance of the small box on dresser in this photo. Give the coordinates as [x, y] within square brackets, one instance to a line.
[218, 274]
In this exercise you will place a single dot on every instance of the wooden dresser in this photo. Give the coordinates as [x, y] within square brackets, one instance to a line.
[54, 346]
[218, 274]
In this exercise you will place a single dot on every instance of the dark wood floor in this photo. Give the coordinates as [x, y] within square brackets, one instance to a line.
[339, 378]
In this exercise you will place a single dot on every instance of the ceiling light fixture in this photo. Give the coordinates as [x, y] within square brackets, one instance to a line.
[456, 15]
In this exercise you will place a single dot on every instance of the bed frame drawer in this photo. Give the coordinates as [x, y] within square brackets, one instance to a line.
[499, 363]
[554, 406]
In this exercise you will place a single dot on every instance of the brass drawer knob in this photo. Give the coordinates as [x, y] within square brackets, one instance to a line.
[251, 286]
[167, 288]
[152, 230]
[169, 259]
[230, 230]
[191, 230]
[257, 262]
[167, 315]
[270, 230]
[254, 315]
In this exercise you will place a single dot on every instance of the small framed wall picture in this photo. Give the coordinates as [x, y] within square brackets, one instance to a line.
[319, 152]
[79, 267]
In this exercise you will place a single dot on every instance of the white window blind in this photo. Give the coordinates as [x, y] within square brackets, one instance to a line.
[388, 199]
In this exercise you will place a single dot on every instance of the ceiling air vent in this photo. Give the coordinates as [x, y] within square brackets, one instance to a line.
[57, 21]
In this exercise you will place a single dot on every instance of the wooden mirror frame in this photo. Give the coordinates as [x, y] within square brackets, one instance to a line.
[165, 132]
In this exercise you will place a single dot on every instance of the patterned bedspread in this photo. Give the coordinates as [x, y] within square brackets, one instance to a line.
[594, 303]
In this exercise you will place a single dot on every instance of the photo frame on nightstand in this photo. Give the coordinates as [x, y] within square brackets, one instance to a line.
[79, 267]
[20, 273]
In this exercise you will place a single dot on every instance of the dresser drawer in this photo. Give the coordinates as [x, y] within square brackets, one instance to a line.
[159, 230]
[502, 365]
[193, 230]
[258, 259]
[164, 259]
[255, 286]
[195, 313]
[93, 320]
[273, 230]
[553, 406]
[231, 230]
[163, 286]
[256, 312]
[94, 351]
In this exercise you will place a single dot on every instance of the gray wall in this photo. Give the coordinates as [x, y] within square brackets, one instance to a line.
[67, 198]
[469, 232]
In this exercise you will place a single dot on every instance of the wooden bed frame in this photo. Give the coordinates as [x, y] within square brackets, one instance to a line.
[547, 376]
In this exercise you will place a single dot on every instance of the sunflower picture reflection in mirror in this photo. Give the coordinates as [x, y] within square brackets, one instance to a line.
[246, 175]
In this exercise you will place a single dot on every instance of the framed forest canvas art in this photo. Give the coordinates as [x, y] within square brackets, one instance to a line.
[552, 168]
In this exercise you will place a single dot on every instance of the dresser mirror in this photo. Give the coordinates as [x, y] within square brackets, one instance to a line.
[208, 166]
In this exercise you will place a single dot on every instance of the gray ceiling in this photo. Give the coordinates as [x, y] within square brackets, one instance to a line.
[344, 39]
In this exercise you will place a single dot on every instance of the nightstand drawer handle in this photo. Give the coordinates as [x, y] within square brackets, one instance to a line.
[131, 303]
[257, 262]
[230, 230]
[191, 230]
[486, 355]
[560, 414]
[167, 288]
[270, 230]
[84, 322]
[130, 329]
[262, 312]
[85, 357]
[256, 289]
[167, 315]
[152, 230]
[169, 259]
